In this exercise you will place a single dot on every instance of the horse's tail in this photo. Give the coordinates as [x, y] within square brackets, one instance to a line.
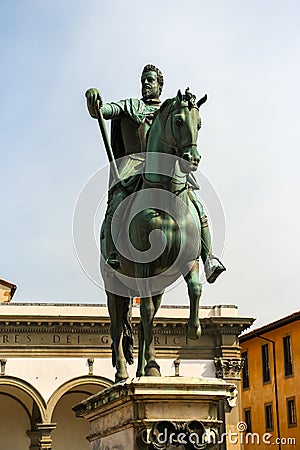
[127, 339]
[127, 331]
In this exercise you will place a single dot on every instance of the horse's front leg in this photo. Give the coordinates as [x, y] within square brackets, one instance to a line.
[149, 307]
[194, 290]
[141, 351]
[115, 308]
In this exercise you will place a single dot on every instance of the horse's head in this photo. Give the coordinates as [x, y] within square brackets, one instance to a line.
[181, 129]
[174, 131]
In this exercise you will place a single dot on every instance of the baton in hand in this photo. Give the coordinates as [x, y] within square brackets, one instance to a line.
[110, 155]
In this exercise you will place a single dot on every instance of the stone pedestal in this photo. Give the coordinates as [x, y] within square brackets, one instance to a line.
[156, 413]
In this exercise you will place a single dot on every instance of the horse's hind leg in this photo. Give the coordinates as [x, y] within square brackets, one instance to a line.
[149, 307]
[194, 290]
[115, 308]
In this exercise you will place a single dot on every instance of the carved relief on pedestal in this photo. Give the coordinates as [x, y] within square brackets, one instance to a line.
[165, 434]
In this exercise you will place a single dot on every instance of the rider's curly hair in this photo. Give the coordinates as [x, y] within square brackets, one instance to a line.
[160, 78]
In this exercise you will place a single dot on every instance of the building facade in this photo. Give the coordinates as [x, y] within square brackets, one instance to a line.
[53, 356]
[271, 384]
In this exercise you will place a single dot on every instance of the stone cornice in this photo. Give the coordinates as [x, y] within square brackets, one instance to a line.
[73, 335]
[236, 324]
[157, 388]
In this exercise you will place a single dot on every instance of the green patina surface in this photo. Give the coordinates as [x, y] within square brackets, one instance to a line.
[142, 132]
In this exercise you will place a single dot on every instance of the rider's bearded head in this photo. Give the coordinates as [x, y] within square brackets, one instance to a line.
[152, 82]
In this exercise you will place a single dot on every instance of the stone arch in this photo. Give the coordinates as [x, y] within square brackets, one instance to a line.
[16, 399]
[71, 431]
[15, 419]
[75, 383]
[17, 384]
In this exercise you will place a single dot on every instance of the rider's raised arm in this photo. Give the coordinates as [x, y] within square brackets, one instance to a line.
[95, 103]
[112, 110]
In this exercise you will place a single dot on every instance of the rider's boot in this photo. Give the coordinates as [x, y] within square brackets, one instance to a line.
[113, 259]
[115, 197]
[212, 265]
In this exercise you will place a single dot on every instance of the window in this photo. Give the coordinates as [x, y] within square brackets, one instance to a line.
[245, 379]
[269, 416]
[265, 363]
[291, 412]
[247, 415]
[287, 355]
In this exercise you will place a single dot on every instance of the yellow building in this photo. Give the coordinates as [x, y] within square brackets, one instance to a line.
[7, 291]
[271, 385]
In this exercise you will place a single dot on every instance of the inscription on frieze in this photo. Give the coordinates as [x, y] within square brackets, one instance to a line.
[54, 339]
[85, 337]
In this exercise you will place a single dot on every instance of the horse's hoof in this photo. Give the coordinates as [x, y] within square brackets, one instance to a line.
[194, 331]
[119, 377]
[152, 369]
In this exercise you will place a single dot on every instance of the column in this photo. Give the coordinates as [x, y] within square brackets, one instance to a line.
[229, 369]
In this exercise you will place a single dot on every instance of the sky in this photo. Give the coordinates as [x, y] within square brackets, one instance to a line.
[243, 54]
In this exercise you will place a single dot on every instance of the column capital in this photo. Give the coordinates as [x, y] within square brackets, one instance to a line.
[229, 368]
[44, 431]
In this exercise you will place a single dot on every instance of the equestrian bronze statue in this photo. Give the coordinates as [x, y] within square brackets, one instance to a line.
[155, 228]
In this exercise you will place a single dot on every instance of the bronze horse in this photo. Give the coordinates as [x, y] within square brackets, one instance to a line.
[164, 235]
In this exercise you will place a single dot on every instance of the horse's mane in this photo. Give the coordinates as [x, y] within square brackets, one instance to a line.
[165, 104]
[187, 97]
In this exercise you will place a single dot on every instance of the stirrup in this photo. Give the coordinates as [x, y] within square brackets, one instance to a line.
[212, 271]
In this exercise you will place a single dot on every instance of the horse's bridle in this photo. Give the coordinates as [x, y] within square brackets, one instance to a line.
[178, 147]
[191, 144]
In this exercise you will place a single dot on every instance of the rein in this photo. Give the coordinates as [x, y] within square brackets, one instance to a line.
[176, 192]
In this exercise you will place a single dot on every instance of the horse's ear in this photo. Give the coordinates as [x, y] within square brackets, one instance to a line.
[179, 97]
[201, 101]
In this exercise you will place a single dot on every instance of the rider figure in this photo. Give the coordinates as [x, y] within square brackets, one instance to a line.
[131, 119]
